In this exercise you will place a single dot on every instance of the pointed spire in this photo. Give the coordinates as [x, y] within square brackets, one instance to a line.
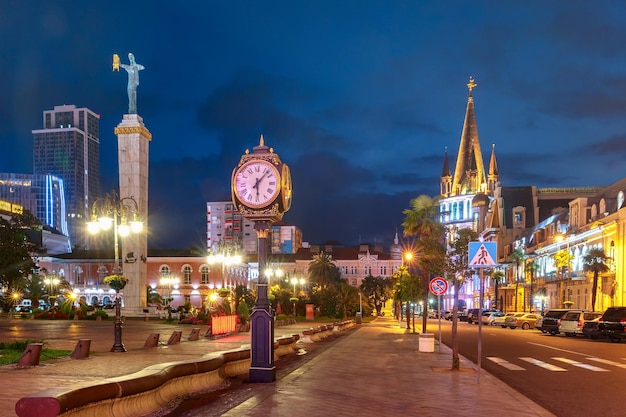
[493, 177]
[493, 164]
[446, 177]
[469, 158]
[445, 172]
[261, 141]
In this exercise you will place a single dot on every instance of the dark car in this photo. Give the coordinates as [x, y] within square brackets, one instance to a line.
[552, 320]
[590, 329]
[612, 324]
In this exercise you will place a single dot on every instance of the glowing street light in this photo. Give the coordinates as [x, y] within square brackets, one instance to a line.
[113, 212]
[168, 281]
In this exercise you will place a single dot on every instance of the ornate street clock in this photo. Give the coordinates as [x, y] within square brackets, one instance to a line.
[261, 192]
[261, 185]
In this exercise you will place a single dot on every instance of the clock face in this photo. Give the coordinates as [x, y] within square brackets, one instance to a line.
[257, 183]
[286, 187]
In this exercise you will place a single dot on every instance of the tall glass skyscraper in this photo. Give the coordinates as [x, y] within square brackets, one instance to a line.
[68, 147]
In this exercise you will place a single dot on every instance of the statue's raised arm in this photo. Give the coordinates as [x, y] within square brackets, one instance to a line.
[133, 79]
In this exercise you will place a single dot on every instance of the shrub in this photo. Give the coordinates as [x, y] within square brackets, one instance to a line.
[243, 312]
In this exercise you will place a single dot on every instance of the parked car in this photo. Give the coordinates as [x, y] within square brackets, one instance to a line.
[462, 315]
[499, 321]
[489, 317]
[551, 320]
[573, 322]
[590, 329]
[523, 320]
[474, 314]
[612, 324]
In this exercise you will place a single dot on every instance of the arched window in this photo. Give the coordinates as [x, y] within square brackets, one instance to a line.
[187, 274]
[165, 271]
[204, 274]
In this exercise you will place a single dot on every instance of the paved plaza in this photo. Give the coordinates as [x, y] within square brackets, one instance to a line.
[374, 369]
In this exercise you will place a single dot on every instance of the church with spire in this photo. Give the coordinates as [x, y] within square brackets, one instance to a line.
[457, 191]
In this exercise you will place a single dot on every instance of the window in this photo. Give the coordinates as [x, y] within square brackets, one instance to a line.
[383, 270]
[165, 271]
[353, 270]
[204, 274]
[186, 274]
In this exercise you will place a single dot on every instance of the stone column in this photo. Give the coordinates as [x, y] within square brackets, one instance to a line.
[133, 145]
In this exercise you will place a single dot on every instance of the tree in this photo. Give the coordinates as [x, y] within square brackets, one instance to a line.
[458, 272]
[531, 270]
[517, 257]
[406, 289]
[562, 260]
[422, 220]
[595, 261]
[377, 290]
[347, 297]
[497, 276]
[323, 271]
[17, 251]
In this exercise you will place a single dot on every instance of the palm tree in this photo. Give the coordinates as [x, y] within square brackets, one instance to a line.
[595, 261]
[531, 269]
[497, 276]
[422, 221]
[562, 259]
[323, 271]
[517, 257]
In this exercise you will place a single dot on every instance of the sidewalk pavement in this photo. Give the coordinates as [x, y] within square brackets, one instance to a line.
[375, 370]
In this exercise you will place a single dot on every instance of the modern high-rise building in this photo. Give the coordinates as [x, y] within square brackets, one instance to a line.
[68, 147]
[42, 195]
[226, 226]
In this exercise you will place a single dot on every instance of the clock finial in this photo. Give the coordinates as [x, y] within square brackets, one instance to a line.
[261, 141]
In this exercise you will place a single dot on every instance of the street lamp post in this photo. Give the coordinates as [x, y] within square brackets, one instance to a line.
[225, 256]
[114, 212]
[52, 282]
[169, 281]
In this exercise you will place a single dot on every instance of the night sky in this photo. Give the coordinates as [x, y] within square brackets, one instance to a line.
[360, 98]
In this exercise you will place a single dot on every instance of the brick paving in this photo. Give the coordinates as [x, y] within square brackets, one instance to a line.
[374, 370]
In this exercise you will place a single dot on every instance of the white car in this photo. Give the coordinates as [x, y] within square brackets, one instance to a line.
[572, 323]
[499, 321]
[489, 317]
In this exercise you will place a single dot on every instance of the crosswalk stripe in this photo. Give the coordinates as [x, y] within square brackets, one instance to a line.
[608, 362]
[581, 365]
[506, 364]
[543, 364]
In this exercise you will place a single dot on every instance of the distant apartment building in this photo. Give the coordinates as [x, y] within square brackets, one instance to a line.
[286, 239]
[42, 195]
[68, 146]
[227, 227]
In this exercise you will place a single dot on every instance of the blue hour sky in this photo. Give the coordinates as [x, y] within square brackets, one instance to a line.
[360, 98]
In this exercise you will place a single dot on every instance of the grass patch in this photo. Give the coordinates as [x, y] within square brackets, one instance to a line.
[12, 352]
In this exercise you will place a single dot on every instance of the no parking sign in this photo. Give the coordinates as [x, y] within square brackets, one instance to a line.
[438, 286]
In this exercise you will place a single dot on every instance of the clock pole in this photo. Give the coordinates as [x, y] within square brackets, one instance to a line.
[262, 367]
[254, 185]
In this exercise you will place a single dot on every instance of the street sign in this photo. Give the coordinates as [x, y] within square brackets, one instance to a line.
[483, 254]
[438, 286]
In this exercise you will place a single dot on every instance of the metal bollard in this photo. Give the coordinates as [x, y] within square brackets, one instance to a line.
[152, 340]
[81, 351]
[175, 337]
[31, 355]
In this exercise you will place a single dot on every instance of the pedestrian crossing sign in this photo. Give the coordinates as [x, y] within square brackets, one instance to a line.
[483, 254]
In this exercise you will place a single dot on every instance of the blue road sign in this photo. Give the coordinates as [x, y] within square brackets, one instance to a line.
[483, 254]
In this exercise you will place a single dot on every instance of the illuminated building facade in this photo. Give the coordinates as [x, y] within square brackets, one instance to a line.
[68, 146]
[42, 195]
